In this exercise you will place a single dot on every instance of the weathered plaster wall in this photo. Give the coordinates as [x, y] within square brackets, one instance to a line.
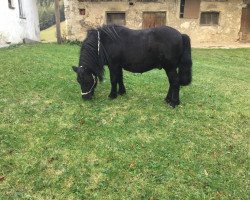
[13, 29]
[226, 31]
[229, 23]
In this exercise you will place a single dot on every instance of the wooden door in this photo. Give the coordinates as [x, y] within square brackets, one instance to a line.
[192, 9]
[153, 19]
[245, 24]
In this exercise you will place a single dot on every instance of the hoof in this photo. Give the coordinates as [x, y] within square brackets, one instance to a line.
[167, 100]
[112, 96]
[173, 104]
[121, 92]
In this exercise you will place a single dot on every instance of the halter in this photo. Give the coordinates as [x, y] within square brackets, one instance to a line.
[98, 33]
[98, 48]
[85, 93]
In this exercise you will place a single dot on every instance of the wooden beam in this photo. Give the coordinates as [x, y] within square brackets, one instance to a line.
[58, 25]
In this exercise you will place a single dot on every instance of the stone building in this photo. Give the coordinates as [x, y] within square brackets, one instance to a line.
[205, 21]
[18, 21]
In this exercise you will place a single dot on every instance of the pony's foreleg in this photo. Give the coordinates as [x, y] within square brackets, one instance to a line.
[122, 89]
[173, 93]
[113, 80]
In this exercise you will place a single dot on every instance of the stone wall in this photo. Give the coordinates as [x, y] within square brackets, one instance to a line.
[95, 15]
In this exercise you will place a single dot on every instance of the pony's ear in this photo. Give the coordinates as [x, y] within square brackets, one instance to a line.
[75, 68]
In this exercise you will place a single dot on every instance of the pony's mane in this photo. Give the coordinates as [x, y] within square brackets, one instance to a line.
[110, 31]
[89, 56]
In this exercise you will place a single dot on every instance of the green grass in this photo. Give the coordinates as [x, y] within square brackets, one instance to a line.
[49, 34]
[54, 145]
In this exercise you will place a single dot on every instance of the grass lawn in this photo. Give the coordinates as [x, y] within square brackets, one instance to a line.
[54, 145]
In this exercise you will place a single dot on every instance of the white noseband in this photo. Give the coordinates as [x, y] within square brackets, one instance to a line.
[85, 93]
[98, 45]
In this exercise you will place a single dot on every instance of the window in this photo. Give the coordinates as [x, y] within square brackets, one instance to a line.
[82, 11]
[209, 18]
[117, 18]
[182, 5]
[147, 0]
[88, 0]
[10, 3]
[216, 0]
[190, 9]
[21, 13]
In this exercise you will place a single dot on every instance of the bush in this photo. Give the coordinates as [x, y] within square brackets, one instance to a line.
[72, 42]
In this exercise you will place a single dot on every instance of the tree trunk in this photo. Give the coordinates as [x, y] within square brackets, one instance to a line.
[58, 27]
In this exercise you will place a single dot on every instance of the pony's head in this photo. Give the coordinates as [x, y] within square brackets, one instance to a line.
[87, 81]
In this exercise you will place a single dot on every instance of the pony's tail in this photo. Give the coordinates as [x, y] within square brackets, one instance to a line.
[185, 67]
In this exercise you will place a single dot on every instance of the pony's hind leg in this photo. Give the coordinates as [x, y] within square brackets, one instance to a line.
[172, 97]
[122, 89]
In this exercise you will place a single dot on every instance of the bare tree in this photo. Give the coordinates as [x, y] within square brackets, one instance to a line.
[58, 26]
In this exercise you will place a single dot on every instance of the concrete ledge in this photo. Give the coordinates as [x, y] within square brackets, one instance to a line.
[29, 41]
[4, 45]
[233, 45]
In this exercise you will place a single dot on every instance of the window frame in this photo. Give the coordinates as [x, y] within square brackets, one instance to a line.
[215, 0]
[11, 4]
[116, 12]
[210, 12]
[82, 11]
[21, 11]
[182, 8]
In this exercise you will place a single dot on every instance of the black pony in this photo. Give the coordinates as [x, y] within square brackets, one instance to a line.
[136, 51]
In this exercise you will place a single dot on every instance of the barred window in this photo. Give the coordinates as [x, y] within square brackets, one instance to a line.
[11, 5]
[116, 0]
[182, 5]
[117, 18]
[21, 12]
[216, 0]
[209, 18]
[147, 0]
